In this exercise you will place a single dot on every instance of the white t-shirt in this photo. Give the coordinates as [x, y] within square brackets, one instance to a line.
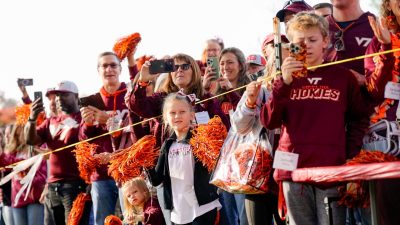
[181, 169]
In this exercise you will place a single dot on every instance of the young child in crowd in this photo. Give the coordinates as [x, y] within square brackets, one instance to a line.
[140, 206]
[323, 121]
[187, 192]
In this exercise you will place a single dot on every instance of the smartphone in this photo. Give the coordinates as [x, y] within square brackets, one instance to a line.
[213, 63]
[162, 66]
[299, 52]
[38, 94]
[25, 82]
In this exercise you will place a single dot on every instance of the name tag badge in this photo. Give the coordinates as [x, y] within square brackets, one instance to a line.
[202, 117]
[285, 160]
[392, 90]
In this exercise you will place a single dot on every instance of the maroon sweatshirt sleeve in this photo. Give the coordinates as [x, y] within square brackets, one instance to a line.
[89, 131]
[26, 100]
[133, 71]
[272, 113]
[145, 106]
[357, 119]
[378, 69]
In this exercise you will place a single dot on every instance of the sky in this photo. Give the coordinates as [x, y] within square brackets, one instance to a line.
[51, 41]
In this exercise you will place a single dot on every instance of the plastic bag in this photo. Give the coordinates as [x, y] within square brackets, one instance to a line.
[383, 136]
[245, 163]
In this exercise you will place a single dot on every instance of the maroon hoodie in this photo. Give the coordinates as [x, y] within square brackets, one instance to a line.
[356, 39]
[322, 117]
[105, 143]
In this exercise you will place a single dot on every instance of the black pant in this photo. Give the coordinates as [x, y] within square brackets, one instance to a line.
[58, 202]
[205, 219]
[262, 208]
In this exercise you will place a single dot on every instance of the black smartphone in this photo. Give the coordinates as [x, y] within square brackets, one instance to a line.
[162, 66]
[38, 94]
[25, 82]
[84, 102]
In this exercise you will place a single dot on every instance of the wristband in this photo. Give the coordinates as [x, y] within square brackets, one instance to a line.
[31, 120]
[144, 84]
[251, 106]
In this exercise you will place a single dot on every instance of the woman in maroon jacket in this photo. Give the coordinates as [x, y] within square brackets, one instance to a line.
[322, 120]
[27, 211]
[186, 77]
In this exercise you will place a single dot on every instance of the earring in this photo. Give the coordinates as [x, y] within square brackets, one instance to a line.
[391, 21]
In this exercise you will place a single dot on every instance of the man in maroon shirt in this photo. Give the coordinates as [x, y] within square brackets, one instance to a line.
[106, 111]
[350, 35]
[64, 182]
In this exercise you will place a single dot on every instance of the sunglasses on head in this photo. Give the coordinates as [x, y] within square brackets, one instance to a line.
[184, 67]
[339, 42]
[289, 2]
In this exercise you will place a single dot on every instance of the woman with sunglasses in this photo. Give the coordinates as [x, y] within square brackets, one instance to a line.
[382, 76]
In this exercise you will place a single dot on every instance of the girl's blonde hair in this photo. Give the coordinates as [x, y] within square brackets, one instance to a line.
[174, 97]
[16, 141]
[139, 183]
[306, 20]
[386, 11]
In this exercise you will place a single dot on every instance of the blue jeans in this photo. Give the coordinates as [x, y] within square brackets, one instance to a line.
[233, 211]
[104, 196]
[32, 214]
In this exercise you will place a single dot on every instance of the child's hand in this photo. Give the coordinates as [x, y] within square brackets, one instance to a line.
[290, 65]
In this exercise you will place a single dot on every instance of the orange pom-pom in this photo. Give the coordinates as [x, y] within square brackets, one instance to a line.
[207, 141]
[78, 207]
[127, 163]
[124, 46]
[22, 114]
[112, 220]
[141, 60]
[354, 195]
[86, 162]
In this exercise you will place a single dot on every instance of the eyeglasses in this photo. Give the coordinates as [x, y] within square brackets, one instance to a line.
[184, 67]
[112, 65]
[339, 43]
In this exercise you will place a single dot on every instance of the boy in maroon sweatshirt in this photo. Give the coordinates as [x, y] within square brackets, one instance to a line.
[322, 120]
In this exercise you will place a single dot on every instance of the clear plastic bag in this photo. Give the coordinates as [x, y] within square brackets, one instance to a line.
[245, 163]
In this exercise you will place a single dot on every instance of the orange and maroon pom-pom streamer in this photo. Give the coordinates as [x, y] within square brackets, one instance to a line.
[112, 220]
[128, 163]
[124, 46]
[141, 60]
[355, 195]
[207, 141]
[87, 163]
[78, 208]
[371, 157]
[22, 114]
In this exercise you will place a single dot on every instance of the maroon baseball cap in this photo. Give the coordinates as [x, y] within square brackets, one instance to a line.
[270, 38]
[293, 6]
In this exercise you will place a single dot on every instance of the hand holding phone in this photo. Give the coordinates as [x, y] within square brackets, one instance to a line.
[214, 64]
[162, 66]
[25, 82]
[299, 52]
[37, 95]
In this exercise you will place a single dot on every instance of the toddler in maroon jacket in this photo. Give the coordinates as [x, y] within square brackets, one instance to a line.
[140, 206]
[322, 120]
